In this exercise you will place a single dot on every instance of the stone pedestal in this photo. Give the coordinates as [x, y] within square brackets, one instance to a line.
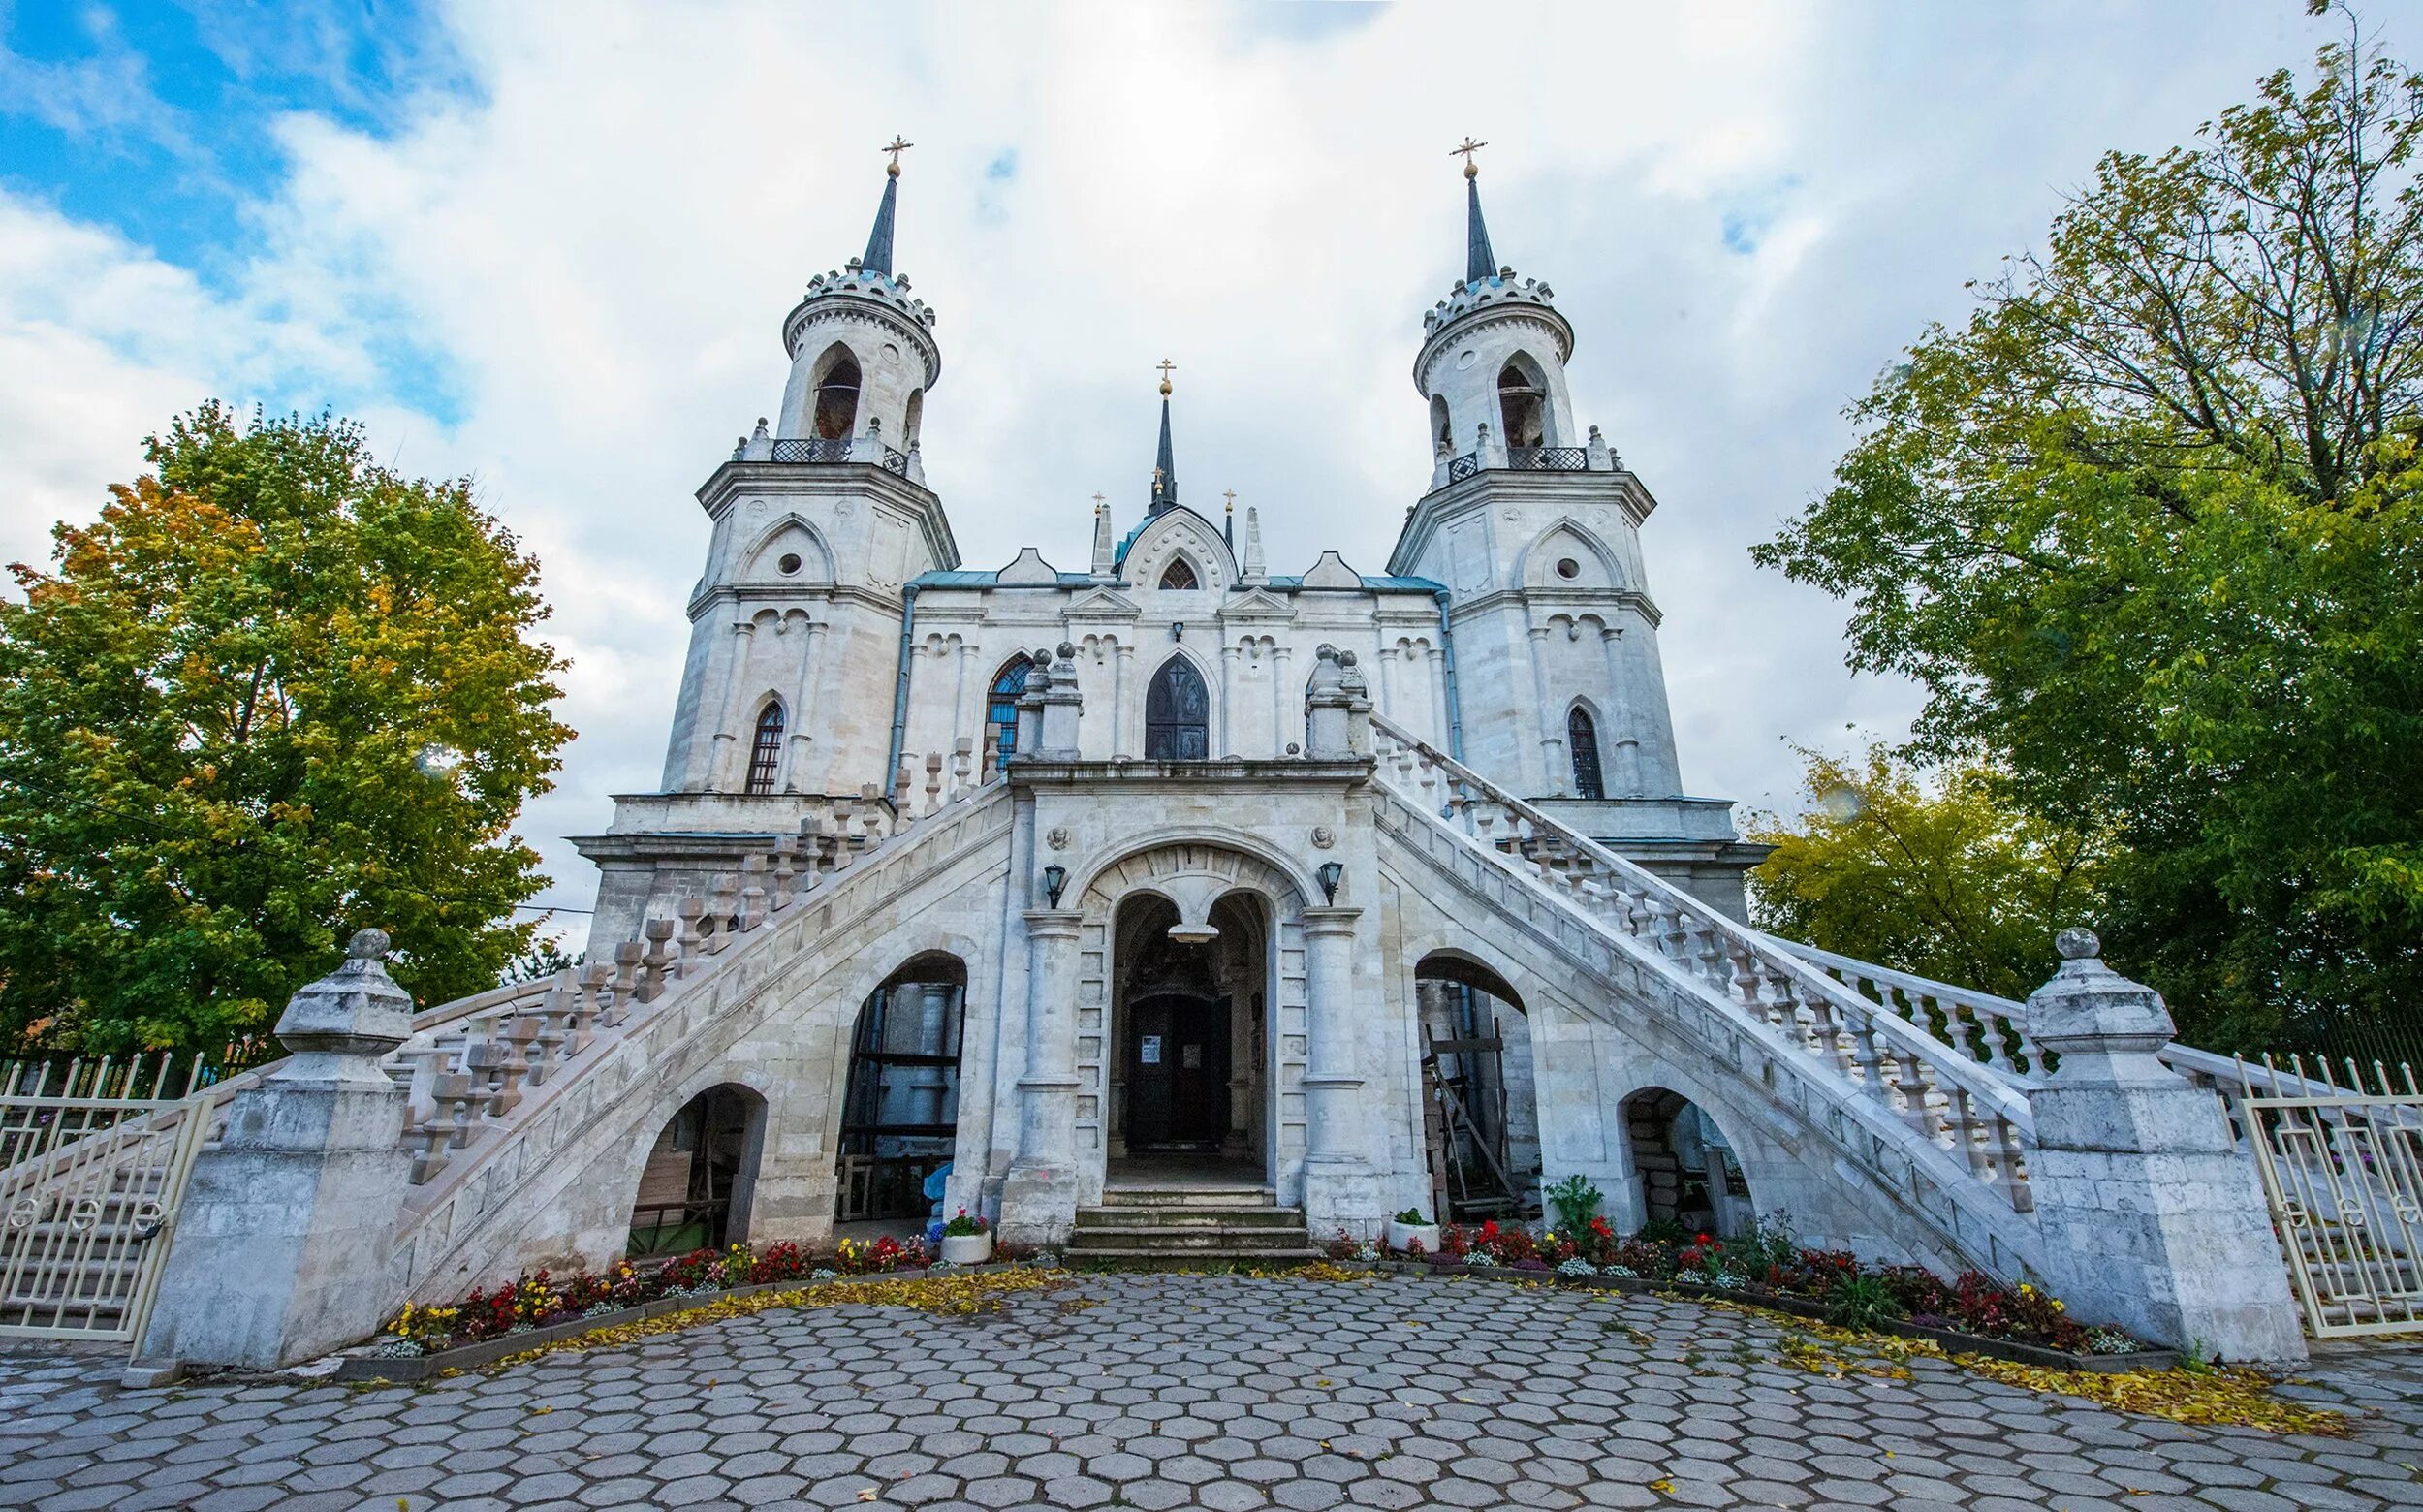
[283, 1248]
[2154, 1218]
[1039, 1195]
[1338, 1186]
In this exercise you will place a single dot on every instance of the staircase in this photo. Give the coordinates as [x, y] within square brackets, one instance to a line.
[1194, 1222]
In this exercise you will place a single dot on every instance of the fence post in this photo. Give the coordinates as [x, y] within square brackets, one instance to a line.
[2154, 1218]
[283, 1248]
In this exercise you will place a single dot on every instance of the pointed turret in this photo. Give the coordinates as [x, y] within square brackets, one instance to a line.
[878, 258]
[1164, 466]
[1479, 262]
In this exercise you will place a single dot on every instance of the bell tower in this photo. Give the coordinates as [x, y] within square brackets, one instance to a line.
[818, 524]
[1532, 524]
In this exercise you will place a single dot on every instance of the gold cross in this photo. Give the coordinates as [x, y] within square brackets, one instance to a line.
[1097, 503]
[1465, 152]
[1231, 496]
[896, 146]
[1166, 365]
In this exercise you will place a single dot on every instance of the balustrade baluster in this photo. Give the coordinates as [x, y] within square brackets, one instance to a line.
[1868, 1057]
[692, 912]
[785, 871]
[1919, 1097]
[1969, 1130]
[658, 961]
[1745, 984]
[2013, 1173]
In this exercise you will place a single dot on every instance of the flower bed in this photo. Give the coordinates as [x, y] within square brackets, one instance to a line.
[542, 1300]
[1768, 1267]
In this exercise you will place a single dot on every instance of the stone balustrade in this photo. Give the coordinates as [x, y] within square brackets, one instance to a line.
[470, 1065]
[1990, 1030]
[1973, 1112]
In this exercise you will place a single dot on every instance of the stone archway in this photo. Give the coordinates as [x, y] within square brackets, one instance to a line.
[1236, 919]
[1481, 1130]
[695, 1190]
[1689, 1176]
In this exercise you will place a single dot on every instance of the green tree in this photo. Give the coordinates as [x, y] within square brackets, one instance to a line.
[2147, 529]
[1948, 882]
[274, 694]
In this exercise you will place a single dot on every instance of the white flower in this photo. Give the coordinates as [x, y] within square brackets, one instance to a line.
[1577, 1266]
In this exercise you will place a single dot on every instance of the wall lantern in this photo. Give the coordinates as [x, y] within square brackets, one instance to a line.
[1331, 874]
[1178, 630]
[1055, 878]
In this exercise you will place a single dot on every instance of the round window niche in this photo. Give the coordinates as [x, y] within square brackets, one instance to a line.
[1566, 567]
[790, 563]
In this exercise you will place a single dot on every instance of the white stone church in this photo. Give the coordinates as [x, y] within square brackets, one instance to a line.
[1164, 903]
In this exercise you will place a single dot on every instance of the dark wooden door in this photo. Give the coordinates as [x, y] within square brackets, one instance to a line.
[1177, 1073]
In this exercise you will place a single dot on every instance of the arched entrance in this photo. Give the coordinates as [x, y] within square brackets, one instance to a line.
[899, 1119]
[694, 1191]
[1480, 1119]
[1691, 1178]
[1189, 1013]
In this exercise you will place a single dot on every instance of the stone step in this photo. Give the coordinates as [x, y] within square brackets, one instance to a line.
[1234, 1196]
[1190, 1217]
[1130, 1257]
[1154, 1240]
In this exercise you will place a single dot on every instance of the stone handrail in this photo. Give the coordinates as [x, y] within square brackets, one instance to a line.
[1990, 1030]
[1974, 1118]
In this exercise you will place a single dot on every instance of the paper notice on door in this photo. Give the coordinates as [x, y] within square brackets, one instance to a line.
[1149, 1052]
[1190, 1058]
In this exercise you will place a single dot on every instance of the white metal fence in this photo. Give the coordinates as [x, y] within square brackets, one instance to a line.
[2340, 1153]
[93, 1164]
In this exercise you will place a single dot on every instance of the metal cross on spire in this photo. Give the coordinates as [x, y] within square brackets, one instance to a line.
[1471, 169]
[1166, 367]
[896, 146]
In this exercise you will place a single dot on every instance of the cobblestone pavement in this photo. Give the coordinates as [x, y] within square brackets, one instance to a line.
[1169, 1391]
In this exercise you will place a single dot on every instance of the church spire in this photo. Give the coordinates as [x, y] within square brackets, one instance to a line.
[878, 258]
[1164, 466]
[1479, 262]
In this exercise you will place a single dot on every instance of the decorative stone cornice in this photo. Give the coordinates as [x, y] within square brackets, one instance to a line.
[863, 296]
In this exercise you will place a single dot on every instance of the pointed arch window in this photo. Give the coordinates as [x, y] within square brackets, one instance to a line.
[1441, 430]
[1582, 739]
[1522, 404]
[1178, 713]
[1179, 574]
[836, 396]
[766, 750]
[1001, 709]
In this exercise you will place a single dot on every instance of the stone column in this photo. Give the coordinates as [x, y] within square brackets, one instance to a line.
[1392, 699]
[736, 689]
[1555, 775]
[803, 707]
[1122, 654]
[970, 722]
[1282, 696]
[284, 1248]
[1337, 1171]
[2152, 1218]
[1228, 701]
[1039, 1196]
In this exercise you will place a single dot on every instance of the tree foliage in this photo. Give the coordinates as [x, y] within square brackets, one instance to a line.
[1948, 882]
[275, 693]
[2149, 528]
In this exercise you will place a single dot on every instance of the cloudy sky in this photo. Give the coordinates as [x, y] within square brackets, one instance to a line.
[549, 247]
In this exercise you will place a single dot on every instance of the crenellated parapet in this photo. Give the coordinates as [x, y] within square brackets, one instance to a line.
[854, 293]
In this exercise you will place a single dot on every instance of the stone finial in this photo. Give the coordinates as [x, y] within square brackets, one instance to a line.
[2089, 1009]
[354, 1010]
[1255, 571]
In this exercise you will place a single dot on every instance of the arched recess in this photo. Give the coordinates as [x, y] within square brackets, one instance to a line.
[1442, 429]
[1177, 712]
[833, 409]
[766, 749]
[1179, 574]
[900, 1116]
[1691, 1180]
[1483, 1148]
[695, 1190]
[790, 536]
[1001, 711]
[913, 418]
[1593, 563]
[1522, 403]
[1582, 746]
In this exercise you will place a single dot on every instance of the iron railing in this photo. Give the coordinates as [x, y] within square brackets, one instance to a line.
[820, 452]
[1464, 468]
[1548, 458]
[814, 449]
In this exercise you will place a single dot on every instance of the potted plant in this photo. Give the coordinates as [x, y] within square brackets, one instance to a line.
[1409, 1228]
[966, 1241]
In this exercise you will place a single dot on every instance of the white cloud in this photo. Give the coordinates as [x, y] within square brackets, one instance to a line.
[596, 253]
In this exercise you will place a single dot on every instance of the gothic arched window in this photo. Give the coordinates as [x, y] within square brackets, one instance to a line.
[1001, 709]
[1178, 713]
[765, 751]
[1441, 432]
[837, 396]
[1522, 404]
[1179, 575]
[1582, 737]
